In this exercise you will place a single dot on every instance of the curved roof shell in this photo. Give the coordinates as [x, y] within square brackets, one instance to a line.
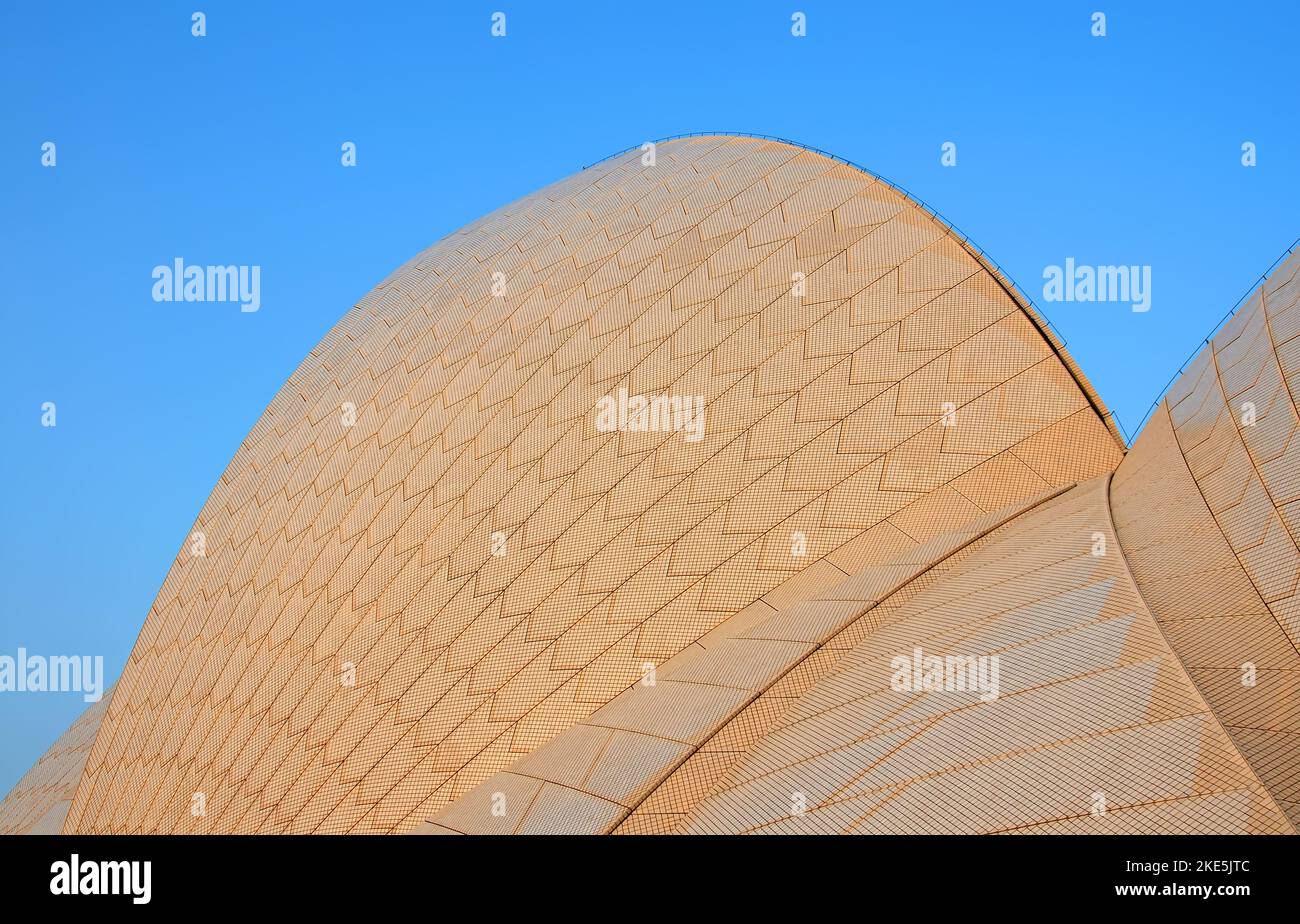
[869, 383]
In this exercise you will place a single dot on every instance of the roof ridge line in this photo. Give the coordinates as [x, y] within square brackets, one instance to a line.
[1005, 280]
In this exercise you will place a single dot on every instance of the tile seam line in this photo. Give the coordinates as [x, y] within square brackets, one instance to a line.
[986, 261]
[885, 728]
[695, 749]
[1137, 806]
[794, 722]
[1137, 590]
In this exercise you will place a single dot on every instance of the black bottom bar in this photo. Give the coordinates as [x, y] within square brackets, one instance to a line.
[581, 876]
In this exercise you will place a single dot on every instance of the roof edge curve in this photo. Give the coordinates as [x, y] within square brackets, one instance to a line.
[1001, 276]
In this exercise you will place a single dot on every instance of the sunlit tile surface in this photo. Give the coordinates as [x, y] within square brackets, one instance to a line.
[895, 454]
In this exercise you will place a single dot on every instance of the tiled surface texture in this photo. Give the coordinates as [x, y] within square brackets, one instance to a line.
[828, 323]
[1206, 506]
[734, 671]
[1085, 743]
[437, 595]
[39, 801]
[1095, 726]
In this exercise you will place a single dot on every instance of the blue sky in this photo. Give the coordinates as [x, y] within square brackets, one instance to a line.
[225, 150]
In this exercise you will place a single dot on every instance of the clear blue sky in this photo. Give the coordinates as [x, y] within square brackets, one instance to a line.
[225, 149]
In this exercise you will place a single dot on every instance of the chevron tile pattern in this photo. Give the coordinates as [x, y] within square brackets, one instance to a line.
[437, 590]
[349, 655]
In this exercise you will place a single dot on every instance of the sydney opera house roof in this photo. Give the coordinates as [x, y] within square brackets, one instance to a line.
[440, 595]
